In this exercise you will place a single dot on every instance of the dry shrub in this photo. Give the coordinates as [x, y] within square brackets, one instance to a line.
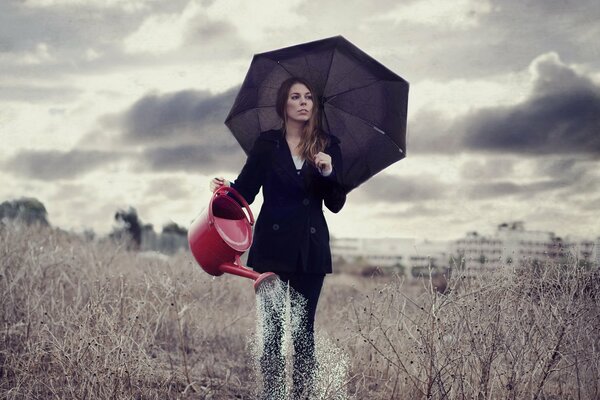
[527, 333]
[91, 320]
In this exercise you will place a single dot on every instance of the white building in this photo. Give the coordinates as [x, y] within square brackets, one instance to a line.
[429, 254]
[583, 250]
[477, 251]
[382, 252]
[511, 243]
[519, 244]
[392, 252]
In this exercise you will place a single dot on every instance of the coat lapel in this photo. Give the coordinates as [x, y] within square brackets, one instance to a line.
[309, 174]
[284, 165]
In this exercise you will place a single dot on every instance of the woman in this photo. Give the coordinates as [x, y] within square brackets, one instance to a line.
[298, 167]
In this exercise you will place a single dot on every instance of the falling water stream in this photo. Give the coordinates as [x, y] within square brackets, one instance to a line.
[277, 301]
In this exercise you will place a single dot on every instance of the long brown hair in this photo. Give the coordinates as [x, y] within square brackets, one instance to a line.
[313, 138]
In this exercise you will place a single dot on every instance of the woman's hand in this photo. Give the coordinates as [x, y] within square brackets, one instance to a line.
[216, 183]
[323, 162]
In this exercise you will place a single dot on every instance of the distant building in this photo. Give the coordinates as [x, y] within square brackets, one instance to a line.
[520, 244]
[348, 249]
[383, 252]
[477, 251]
[583, 250]
[511, 243]
[415, 258]
[430, 255]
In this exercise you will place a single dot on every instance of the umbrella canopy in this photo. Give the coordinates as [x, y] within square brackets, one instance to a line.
[364, 104]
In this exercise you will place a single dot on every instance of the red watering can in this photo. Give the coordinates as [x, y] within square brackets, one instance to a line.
[222, 233]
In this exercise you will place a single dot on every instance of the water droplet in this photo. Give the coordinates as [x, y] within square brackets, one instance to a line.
[279, 311]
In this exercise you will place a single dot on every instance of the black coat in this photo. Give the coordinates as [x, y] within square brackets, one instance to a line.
[291, 234]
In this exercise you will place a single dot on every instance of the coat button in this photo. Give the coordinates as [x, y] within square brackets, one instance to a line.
[312, 230]
[275, 227]
[305, 202]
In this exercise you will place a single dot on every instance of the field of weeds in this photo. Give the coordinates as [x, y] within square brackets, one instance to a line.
[89, 320]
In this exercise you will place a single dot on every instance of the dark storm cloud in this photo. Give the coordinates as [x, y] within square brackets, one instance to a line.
[200, 159]
[396, 189]
[558, 167]
[180, 131]
[575, 169]
[581, 173]
[486, 190]
[561, 117]
[497, 177]
[190, 116]
[588, 185]
[54, 165]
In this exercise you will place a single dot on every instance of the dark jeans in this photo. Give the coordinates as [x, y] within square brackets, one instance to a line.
[273, 361]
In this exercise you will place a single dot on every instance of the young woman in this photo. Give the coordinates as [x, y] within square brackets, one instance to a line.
[298, 167]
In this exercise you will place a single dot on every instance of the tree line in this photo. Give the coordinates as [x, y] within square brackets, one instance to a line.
[130, 229]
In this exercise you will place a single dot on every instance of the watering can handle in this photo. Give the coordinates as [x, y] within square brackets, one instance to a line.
[224, 190]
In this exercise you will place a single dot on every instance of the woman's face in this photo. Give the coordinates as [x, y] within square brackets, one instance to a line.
[299, 103]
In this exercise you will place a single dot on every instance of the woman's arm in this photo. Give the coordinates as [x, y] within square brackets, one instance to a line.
[251, 177]
[334, 195]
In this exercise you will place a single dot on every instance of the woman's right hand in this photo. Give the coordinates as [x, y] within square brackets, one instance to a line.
[217, 182]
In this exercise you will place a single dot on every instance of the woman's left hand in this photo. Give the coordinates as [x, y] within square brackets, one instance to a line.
[323, 162]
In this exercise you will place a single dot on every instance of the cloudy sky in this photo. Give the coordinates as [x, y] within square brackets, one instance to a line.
[111, 103]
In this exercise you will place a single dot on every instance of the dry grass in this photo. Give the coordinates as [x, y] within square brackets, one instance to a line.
[532, 333]
[87, 320]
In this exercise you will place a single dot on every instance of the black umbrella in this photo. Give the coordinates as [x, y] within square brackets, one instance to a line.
[364, 103]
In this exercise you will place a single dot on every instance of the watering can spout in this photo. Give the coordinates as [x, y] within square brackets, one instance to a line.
[238, 269]
[265, 279]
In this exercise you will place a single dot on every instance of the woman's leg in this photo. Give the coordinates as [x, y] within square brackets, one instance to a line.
[305, 364]
[272, 360]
